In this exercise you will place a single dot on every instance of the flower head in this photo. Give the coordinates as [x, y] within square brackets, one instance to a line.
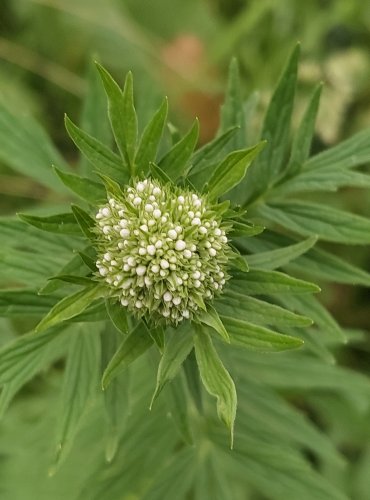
[161, 250]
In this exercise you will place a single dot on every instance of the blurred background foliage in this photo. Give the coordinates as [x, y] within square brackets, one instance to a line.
[182, 49]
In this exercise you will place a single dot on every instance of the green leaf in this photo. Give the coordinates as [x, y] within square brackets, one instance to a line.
[232, 110]
[88, 190]
[247, 308]
[85, 221]
[122, 114]
[158, 335]
[15, 303]
[350, 153]
[60, 223]
[75, 280]
[134, 345]
[70, 306]
[255, 337]
[216, 379]
[99, 155]
[239, 262]
[232, 170]
[211, 318]
[18, 356]
[328, 223]
[178, 405]
[158, 173]
[281, 256]
[245, 229]
[258, 282]
[26, 148]
[175, 161]
[303, 137]
[276, 131]
[79, 387]
[118, 315]
[150, 140]
[176, 350]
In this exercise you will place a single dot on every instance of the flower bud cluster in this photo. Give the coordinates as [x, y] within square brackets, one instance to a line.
[161, 250]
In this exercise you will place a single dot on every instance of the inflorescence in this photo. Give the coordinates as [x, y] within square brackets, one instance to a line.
[161, 250]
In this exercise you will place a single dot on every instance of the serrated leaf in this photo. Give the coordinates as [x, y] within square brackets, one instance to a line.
[255, 337]
[211, 318]
[60, 223]
[26, 148]
[70, 306]
[232, 170]
[258, 282]
[79, 386]
[122, 114]
[85, 221]
[175, 161]
[276, 131]
[247, 308]
[99, 155]
[151, 137]
[86, 189]
[134, 345]
[216, 379]
[176, 350]
[281, 256]
[328, 223]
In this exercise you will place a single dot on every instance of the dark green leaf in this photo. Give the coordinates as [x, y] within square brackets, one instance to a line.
[175, 161]
[255, 337]
[60, 223]
[158, 173]
[232, 170]
[328, 223]
[85, 222]
[211, 318]
[245, 229]
[99, 155]
[176, 350]
[216, 379]
[15, 303]
[151, 138]
[70, 306]
[122, 114]
[134, 345]
[86, 189]
[118, 315]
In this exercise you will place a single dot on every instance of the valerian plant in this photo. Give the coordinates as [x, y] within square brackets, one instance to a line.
[161, 286]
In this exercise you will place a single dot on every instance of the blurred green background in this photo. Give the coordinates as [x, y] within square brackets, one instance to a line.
[182, 49]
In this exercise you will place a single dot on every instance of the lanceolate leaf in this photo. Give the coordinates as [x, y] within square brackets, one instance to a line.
[80, 384]
[245, 229]
[150, 140]
[245, 334]
[281, 256]
[118, 316]
[176, 350]
[85, 222]
[88, 190]
[99, 155]
[70, 306]
[232, 170]
[122, 114]
[216, 379]
[266, 282]
[14, 303]
[276, 129]
[211, 318]
[176, 160]
[61, 223]
[312, 218]
[133, 346]
[303, 137]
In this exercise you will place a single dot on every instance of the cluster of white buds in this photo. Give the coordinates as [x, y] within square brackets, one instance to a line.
[161, 250]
